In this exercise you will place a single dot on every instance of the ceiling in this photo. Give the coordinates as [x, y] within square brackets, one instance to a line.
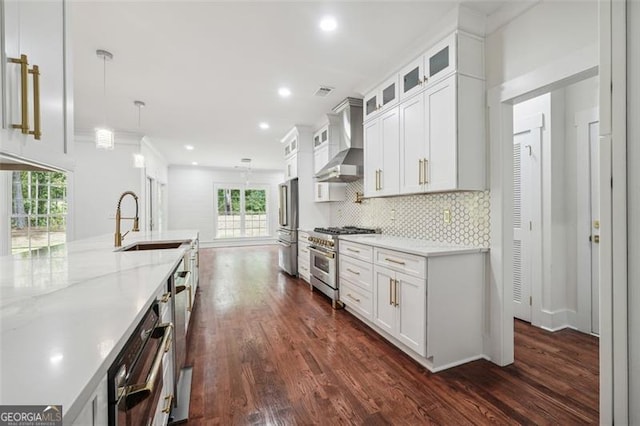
[209, 71]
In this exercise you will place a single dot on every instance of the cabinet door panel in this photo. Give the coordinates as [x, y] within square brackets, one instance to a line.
[440, 61]
[412, 309]
[370, 104]
[412, 144]
[390, 157]
[372, 154]
[411, 78]
[441, 130]
[384, 312]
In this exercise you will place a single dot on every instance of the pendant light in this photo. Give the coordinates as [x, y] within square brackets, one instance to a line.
[138, 159]
[104, 135]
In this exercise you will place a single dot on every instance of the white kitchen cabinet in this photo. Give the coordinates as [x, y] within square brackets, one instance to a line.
[165, 404]
[355, 275]
[381, 148]
[304, 270]
[442, 142]
[291, 167]
[381, 98]
[95, 411]
[459, 52]
[400, 304]
[37, 30]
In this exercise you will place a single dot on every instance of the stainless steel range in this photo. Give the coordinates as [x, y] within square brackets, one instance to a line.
[323, 250]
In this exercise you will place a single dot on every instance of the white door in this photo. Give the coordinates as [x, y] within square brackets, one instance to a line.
[412, 310]
[384, 311]
[389, 175]
[588, 221]
[412, 145]
[440, 107]
[372, 154]
[594, 151]
[527, 196]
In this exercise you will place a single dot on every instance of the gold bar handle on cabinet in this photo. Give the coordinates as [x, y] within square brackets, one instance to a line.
[24, 93]
[399, 262]
[168, 402]
[391, 291]
[380, 179]
[37, 131]
[354, 298]
[395, 293]
[353, 272]
[425, 172]
[420, 171]
[189, 289]
[353, 250]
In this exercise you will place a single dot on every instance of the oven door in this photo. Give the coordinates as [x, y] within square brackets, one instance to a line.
[323, 266]
[138, 397]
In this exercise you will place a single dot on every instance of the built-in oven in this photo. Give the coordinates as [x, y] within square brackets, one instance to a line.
[135, 378]
[324, 271]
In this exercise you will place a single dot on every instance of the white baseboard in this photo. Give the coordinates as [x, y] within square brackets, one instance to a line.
[558, 320]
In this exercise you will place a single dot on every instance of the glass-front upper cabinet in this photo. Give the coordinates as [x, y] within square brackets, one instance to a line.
[382, 97]
[440, 60]
[411, 78]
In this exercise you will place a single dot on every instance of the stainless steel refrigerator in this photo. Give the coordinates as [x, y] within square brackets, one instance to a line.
[288, 226]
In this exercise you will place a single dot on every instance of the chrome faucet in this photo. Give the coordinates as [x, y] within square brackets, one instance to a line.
[119, 217]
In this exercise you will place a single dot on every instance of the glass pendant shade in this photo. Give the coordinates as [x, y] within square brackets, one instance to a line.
[104, 138]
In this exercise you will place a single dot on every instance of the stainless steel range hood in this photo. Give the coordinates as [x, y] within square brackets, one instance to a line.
[348, 163]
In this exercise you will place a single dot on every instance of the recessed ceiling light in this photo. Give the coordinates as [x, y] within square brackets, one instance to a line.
[194, 163]
[189, 147]
[245, 160]
[284, 92]
[264, 126]
[328, 23]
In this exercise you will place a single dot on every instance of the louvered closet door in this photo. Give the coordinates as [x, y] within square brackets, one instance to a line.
[521, 259]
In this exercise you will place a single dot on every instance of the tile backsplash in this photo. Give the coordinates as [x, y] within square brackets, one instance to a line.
[420, 216]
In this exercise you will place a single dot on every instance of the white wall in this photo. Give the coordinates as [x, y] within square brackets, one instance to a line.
[633, 191]
[98, 180]
[543, 34]
[100, 177]
[191, 196]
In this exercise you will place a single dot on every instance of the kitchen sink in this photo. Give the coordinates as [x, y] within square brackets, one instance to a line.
[154, 245]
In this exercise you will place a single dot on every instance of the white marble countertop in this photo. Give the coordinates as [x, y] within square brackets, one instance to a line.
[411, 245]
[65, 314]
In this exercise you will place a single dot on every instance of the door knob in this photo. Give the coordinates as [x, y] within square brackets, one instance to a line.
[594, 238]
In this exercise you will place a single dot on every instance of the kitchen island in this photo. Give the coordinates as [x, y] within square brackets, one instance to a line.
[67, 311]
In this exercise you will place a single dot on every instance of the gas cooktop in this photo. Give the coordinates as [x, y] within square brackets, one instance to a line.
[345, 230]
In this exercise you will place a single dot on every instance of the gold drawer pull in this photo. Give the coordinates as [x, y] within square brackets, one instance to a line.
[168, 401]
[399, 262]
[354, 298]
[353, 250]
[353, 272]
[165, 298]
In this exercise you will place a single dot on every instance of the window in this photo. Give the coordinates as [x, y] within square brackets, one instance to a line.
[241, 212]
[38, 210]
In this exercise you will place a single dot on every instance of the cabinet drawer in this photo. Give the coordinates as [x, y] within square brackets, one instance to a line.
[359, 251]
[356, 272]
[304, 271]
[303, 250]
[403, 262]
[357, 299]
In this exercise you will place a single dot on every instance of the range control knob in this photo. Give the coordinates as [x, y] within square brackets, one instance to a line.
[331, 243]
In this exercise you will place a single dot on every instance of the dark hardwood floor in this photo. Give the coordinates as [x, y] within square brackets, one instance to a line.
[266, 350]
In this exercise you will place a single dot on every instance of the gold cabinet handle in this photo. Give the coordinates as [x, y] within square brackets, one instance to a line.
[168, 401]
[189, 289]
[425, 79]
[165, 298]
[425, 164]
[353, 250]
[353, 272]
[420, 171]
[395, 293]
[399, 262]
[37, 131]
[354, 298]
[391, 291]
[24, 93]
